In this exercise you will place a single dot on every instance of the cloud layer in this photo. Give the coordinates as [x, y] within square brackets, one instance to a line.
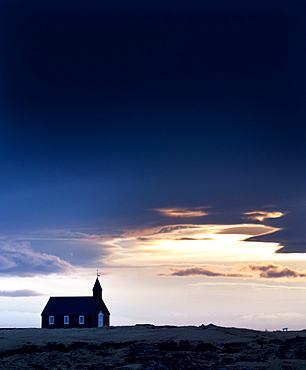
[19, 293]
[187, 244]
[183, 212]
[196, 271]
[20, 260]
[249, 271]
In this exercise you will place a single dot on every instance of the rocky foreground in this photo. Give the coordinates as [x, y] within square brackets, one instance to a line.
[148, 347]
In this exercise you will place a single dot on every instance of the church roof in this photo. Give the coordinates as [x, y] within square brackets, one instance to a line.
[73, 306]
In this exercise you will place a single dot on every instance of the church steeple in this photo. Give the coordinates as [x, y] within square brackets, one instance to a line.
[97, 290]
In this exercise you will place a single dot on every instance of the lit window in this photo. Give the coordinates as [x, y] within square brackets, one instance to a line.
[81, 319]
[66, 320]
[51, 320]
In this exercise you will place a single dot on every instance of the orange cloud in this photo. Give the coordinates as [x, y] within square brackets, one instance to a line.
[261, 216]
[182, 212]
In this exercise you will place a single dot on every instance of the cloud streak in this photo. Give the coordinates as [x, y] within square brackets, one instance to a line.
[183, 212]
[19, 293]
[199, 271]
[249, 271]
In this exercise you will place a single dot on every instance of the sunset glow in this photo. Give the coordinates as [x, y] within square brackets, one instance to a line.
[162, 144]
[189, 244]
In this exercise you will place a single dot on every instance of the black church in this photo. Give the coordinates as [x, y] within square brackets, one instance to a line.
[76, 312]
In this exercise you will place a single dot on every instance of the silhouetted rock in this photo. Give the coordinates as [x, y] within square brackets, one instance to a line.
[234, 347]
[204, 347]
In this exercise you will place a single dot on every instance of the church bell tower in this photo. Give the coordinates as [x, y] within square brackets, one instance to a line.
[97, 290]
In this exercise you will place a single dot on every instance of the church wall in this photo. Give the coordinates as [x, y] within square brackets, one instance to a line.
[73, 322]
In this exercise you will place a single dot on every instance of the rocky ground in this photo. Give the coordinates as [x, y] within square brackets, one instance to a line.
[148, 347]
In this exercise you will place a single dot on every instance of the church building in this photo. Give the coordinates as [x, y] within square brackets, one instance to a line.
[76, 312]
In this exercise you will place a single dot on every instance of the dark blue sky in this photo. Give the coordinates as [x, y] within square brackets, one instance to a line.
[112, 108]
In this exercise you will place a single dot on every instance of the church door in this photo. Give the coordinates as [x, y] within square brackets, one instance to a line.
[100, 319]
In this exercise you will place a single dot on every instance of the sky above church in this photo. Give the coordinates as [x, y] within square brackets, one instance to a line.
[162, 143]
